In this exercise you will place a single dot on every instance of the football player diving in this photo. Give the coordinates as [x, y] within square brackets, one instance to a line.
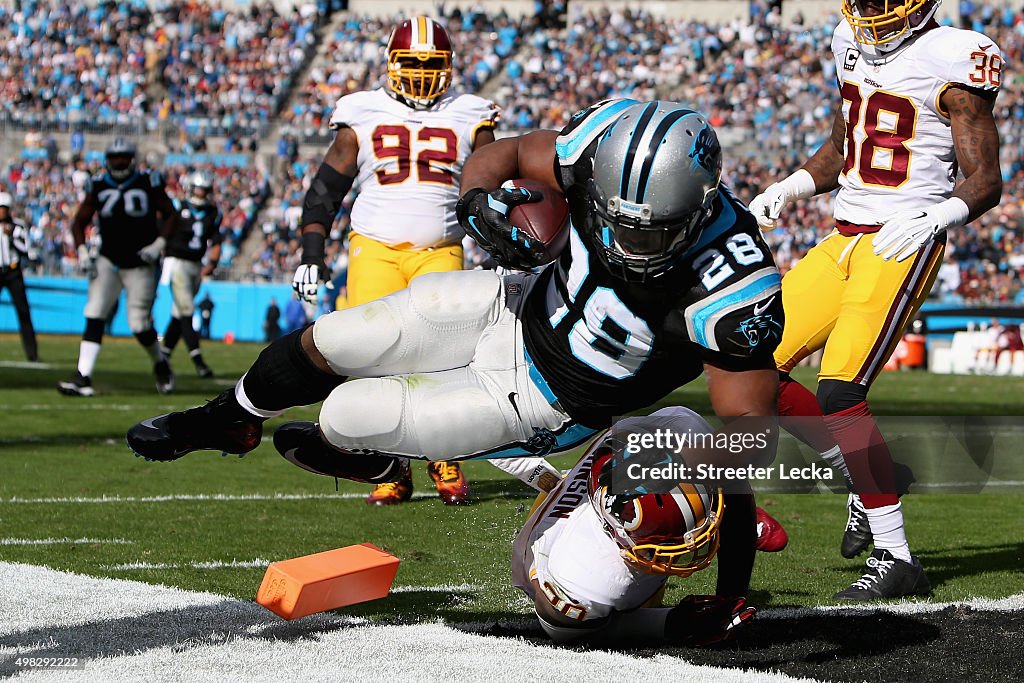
[666, 277]
[916, 106]
[595, 564]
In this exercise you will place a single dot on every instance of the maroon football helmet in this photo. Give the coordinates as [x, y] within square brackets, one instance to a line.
[660, 533]
[420, 61]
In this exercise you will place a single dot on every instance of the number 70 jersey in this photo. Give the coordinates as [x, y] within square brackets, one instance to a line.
[410, 164]
[899, 146]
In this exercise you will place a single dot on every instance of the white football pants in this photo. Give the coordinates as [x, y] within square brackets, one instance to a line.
[442, 373]
[184, 277]
[140, 287]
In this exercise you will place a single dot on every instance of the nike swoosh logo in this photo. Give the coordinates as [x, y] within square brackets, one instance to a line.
[983, 48]
[149, 423]
[512, 400]
[758, 310]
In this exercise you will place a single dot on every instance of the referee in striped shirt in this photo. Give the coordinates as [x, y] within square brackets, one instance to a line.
[13, 248]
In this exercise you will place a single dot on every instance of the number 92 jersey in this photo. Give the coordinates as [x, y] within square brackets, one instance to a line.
[899, 147]
[127, 213]
[410, 164]
[606, 346]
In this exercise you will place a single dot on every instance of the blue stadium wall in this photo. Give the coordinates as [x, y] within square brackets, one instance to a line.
[57, 305]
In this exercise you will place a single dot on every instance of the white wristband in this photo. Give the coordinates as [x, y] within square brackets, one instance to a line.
[951, 213]
[800, 185]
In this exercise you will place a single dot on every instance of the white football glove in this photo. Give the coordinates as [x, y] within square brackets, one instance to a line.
[86, 263]
[767, 206]
[306, 282]
[152, 251]
[905, 233]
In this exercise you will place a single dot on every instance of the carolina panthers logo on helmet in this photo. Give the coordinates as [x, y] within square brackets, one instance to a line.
[706, 149]
[760, 328]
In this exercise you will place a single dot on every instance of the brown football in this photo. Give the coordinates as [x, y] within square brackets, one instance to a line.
[546, 221]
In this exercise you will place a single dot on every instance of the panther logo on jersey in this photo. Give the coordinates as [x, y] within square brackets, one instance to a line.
[758, 328]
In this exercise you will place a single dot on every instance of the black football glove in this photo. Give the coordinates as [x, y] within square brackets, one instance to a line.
[700, 620]
[484, 216]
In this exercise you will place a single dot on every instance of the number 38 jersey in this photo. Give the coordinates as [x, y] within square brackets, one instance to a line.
[127, 213]
[899, 148]
[607, 346]
[410, 164]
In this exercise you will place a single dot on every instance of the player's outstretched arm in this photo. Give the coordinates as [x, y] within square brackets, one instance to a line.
[332, 182]
[819, 174]
[976, 144]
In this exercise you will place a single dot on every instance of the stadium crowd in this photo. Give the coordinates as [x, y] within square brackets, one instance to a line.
[768, 85]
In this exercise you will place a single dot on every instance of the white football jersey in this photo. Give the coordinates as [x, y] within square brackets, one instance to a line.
[899, 148]
[565, 547]
[410, 164]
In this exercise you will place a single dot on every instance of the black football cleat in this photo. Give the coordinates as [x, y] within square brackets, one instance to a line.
[216, 426]
[164, 376]
[77, 385]
[203, 370]
[857, 536]
[886, 578]
[302, 445]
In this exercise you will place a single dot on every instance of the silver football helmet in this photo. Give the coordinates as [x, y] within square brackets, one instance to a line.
[120, 157]
[655, 179]
[198, 187]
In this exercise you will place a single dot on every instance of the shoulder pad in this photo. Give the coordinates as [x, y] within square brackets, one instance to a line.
[585, 127]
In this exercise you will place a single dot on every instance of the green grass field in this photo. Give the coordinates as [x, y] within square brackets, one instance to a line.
[73, 450]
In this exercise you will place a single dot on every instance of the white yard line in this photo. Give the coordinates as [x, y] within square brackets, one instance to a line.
[129, 631]
[216, 497]
[63, 541]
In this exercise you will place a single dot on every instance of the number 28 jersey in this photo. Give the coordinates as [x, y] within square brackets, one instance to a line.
[606, 346]
[410, 164]
[899, 147]
[127, 212]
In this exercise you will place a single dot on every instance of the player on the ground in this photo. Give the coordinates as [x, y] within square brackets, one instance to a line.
[135, 220]
[595, 564]
[917, 101]
[404, 145]
[193, 252]
[667, 277]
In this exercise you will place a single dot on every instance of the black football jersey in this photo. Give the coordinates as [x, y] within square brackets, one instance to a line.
[198, 226]
[606, 346]
[127, 212]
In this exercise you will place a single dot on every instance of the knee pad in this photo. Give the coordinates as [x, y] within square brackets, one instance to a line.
[364, 414]
[140, 318]
[457, 297]
[357, 337]
[835, 395]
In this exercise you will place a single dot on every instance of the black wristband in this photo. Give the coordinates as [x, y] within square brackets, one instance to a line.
[313, 248]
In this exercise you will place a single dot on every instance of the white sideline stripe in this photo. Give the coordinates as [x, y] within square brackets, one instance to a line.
[1013, 603]
[25, 365]
[65, 407]
[60, 541]
[215, 564]
[128, 631]
[219, 497]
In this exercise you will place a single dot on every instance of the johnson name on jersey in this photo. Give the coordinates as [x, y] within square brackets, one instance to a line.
[127, 212]
[198, 227]
[899, 148]
[607, 346]
[410, 164]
